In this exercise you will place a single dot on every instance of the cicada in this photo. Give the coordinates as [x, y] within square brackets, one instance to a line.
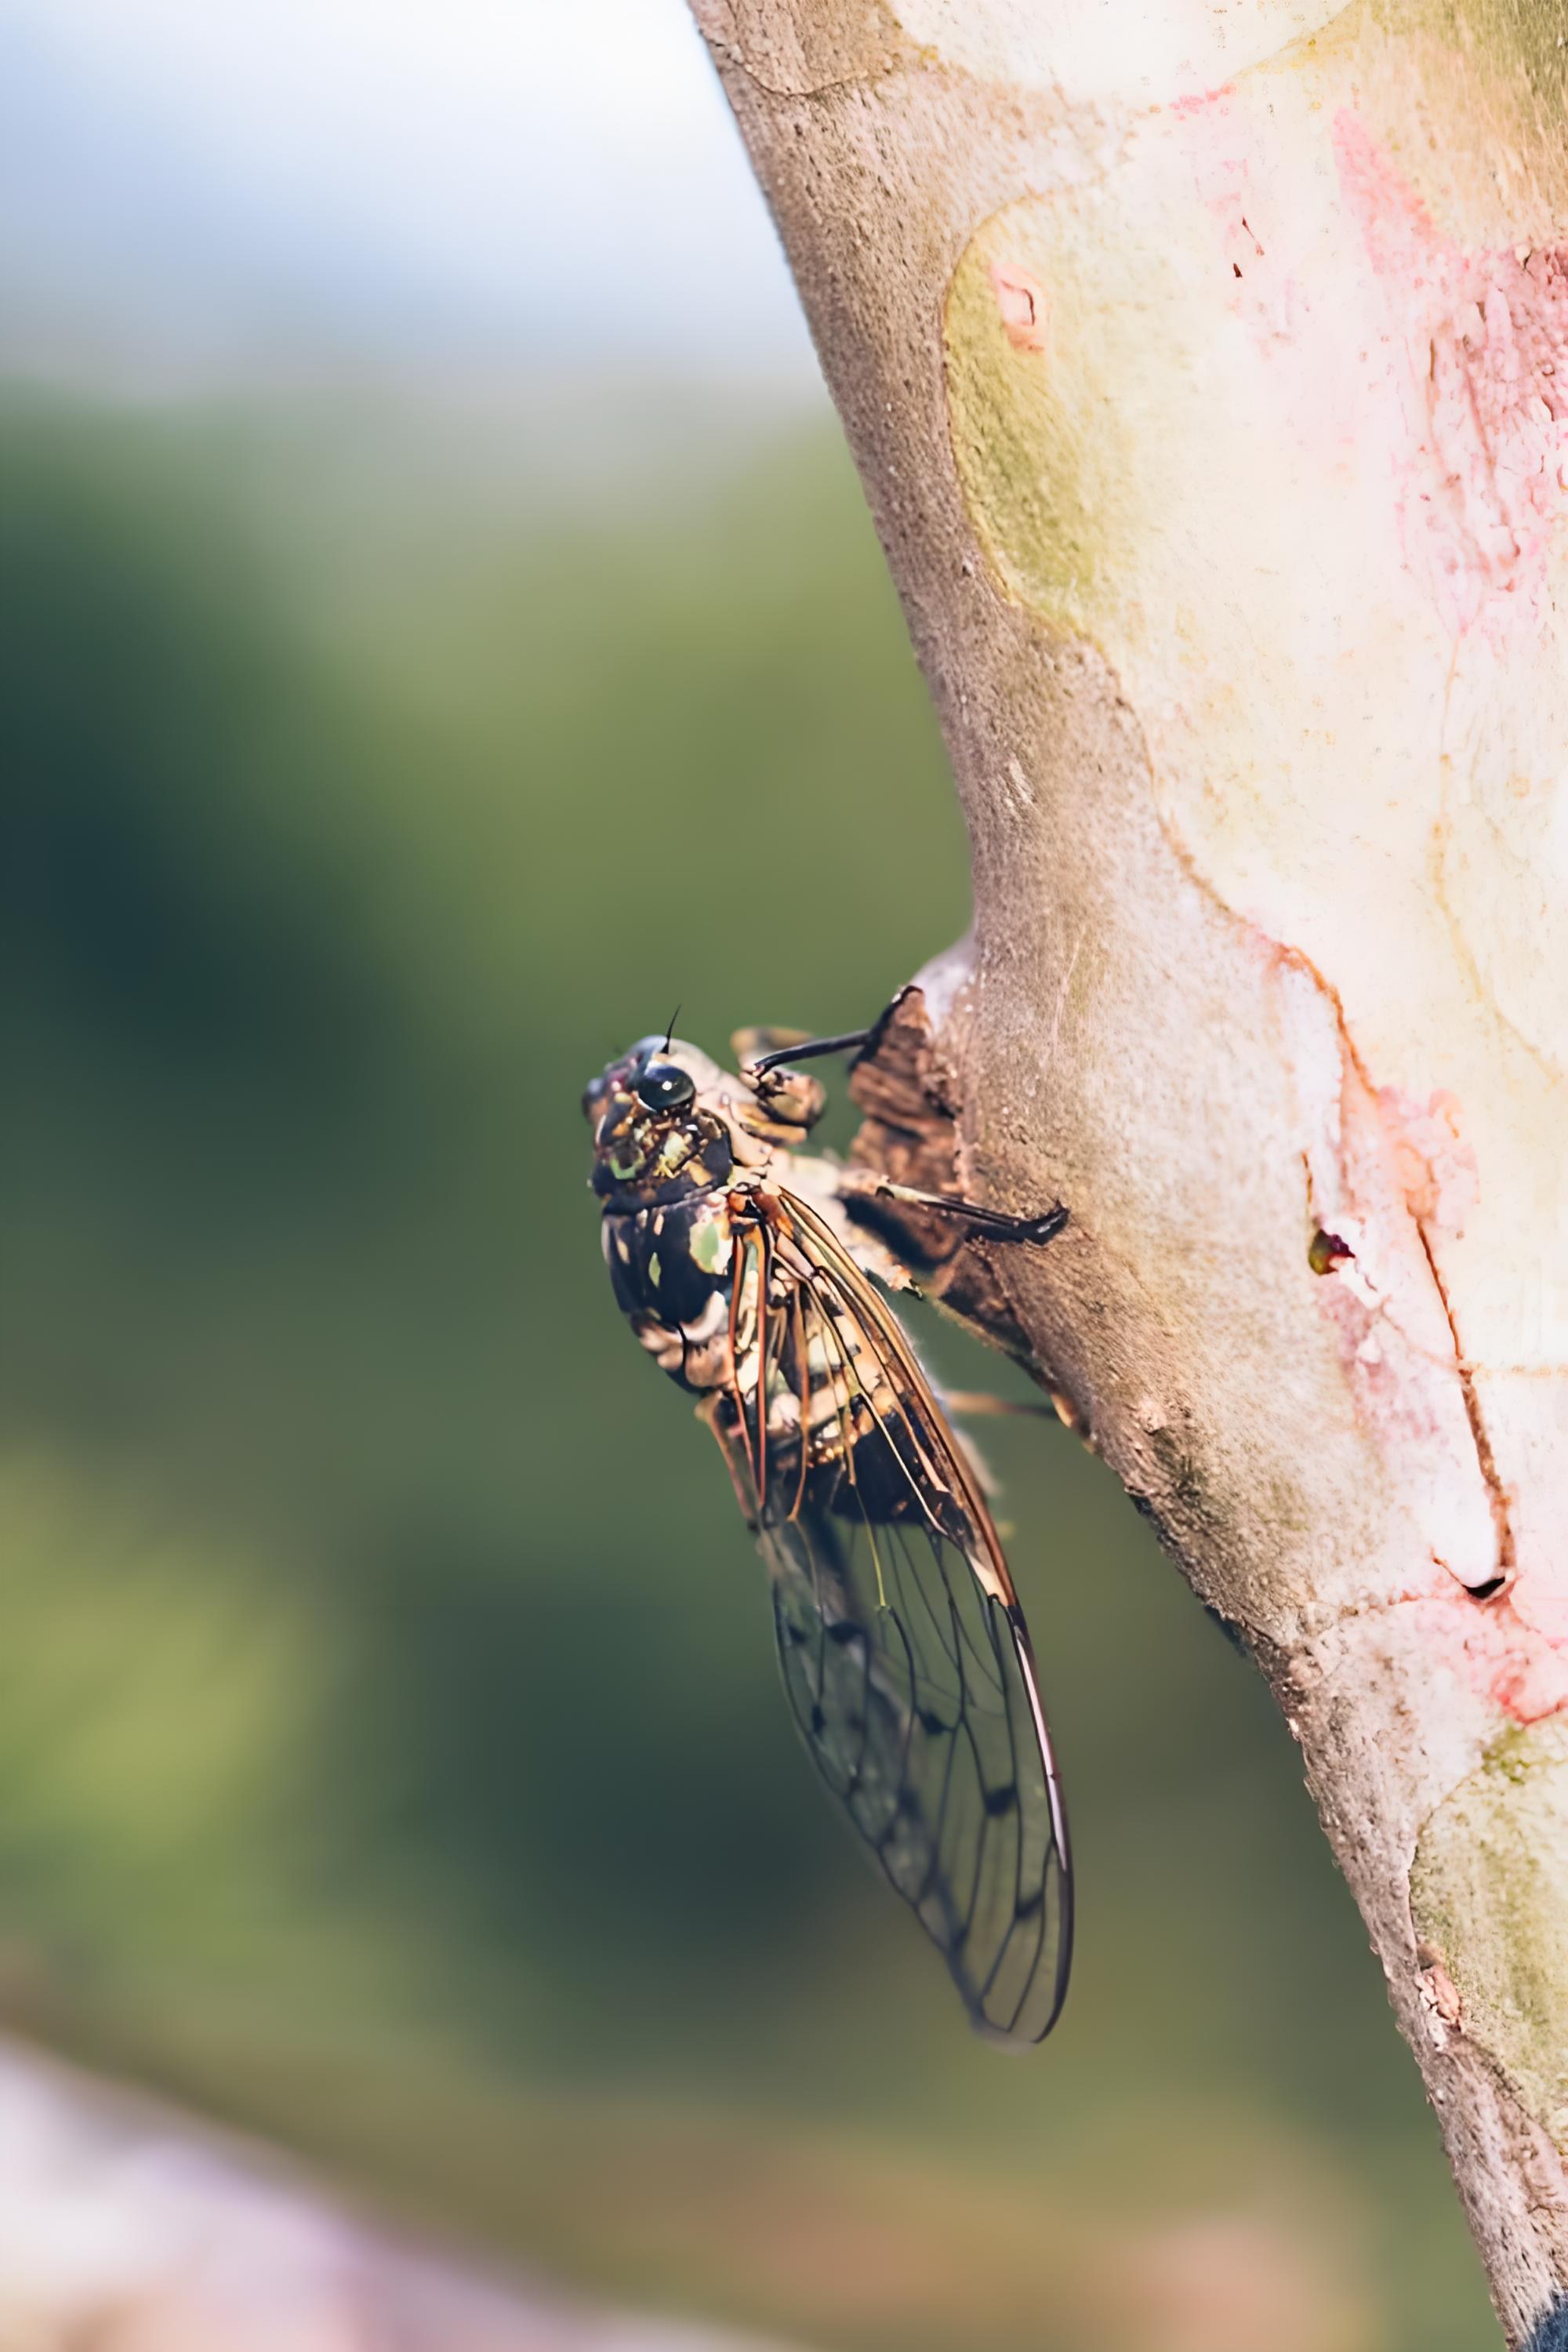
[737, 1257]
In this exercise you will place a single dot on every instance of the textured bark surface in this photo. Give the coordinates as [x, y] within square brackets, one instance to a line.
[1207, 371]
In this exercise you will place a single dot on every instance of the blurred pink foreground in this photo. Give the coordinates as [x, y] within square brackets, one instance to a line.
[128, 2228]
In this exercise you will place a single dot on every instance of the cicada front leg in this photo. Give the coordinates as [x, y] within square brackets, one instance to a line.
[994, 1224]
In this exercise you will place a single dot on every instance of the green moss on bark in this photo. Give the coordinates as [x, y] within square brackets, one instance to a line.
[1488, 1895]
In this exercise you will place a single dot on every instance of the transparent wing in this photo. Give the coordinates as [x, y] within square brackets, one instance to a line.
[906, 1659]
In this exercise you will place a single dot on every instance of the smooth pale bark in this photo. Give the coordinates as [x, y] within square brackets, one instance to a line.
[1207, 371]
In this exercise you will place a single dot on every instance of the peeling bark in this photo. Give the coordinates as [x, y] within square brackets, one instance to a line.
[1207, 371]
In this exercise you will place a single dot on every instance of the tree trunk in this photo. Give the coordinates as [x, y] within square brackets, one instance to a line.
[1207, 369]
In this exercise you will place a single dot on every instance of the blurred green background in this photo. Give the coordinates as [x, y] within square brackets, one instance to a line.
[441, 631]
[390, 1757]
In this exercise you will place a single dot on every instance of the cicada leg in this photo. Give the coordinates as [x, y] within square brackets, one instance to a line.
[801, 1048]
[708, 1412]
[995, 1224]
[975, 1405]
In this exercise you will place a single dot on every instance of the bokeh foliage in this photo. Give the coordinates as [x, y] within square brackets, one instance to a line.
[390, 1754]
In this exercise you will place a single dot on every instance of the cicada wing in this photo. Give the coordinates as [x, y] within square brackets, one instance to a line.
[906, 1660]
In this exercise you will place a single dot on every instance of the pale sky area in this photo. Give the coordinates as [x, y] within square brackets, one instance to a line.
[201, 187]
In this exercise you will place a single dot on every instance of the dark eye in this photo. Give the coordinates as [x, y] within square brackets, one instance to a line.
[664, 1086]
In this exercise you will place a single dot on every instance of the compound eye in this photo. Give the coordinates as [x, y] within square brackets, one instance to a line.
[665, 1085]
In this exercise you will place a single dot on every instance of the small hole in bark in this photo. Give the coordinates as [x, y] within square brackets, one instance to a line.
[1486, 1590]
[1326, 1253]
[1235, 269]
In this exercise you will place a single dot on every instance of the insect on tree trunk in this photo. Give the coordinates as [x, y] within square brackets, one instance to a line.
[1207, 371]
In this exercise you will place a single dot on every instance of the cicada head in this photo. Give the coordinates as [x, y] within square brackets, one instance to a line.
[661, 1131]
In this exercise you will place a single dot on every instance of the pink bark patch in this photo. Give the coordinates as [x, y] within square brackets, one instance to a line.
[1437, 1166]
[1489, 1646]
[1203, 101]
[1510, 1661]
[1022, 302]
[1486, 350]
